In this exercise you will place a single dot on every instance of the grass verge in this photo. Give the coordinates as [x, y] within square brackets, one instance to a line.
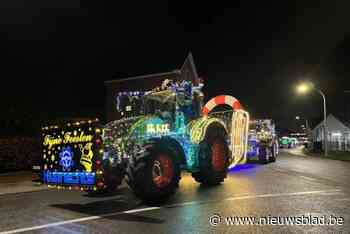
[335, 155]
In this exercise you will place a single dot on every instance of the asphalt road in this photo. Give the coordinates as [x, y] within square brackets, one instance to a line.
[292, 187]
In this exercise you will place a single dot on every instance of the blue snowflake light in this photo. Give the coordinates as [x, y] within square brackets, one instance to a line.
[66, 158]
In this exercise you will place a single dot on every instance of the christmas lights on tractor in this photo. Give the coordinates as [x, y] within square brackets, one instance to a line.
[156, 134]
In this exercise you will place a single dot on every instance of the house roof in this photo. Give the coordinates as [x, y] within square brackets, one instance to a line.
[344, 120]
[334, 124]
[175, 72]
[185, 71]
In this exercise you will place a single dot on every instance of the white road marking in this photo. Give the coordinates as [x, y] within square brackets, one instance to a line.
[332, 193]
[343, 199]
[90, 218]
[281, 195]
[307, 178]
[280, 170]
[78, 220]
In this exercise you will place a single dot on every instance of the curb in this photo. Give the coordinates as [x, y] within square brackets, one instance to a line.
[14, 173]
[24, 192]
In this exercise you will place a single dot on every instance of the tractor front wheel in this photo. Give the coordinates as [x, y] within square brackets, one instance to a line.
[154, 173]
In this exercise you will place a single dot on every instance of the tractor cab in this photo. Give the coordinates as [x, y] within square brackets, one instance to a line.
[174, 97]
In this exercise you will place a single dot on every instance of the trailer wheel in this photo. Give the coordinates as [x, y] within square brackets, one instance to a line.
[113, 182]
[113, 177]
[274, 149]
[213, 159]
[263, 155]
[154, 173]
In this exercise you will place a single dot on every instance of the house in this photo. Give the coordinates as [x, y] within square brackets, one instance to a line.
[338, 134]
[145, 82]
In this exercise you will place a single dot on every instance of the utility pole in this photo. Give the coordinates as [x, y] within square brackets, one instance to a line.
[346, 105]
[303, 88]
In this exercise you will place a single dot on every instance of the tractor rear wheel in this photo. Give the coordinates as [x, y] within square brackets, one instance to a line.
[213, 159]
[154, 174]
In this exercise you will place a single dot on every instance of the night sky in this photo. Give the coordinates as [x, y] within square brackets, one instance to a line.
[55, 55]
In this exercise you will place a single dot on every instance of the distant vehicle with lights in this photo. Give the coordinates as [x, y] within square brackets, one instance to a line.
[262, 141]
[300, 138]
[286, 142]
[294, 142]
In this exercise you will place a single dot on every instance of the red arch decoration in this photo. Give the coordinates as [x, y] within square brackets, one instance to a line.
[221, 100]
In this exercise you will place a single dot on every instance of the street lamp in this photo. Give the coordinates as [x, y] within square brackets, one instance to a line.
[306, 87]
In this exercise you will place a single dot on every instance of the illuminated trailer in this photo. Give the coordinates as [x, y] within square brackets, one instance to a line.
[262, 141]
[72, 157]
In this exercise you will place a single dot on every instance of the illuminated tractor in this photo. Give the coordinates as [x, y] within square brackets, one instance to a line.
[262, 141]
[158, 133]
[169, 132]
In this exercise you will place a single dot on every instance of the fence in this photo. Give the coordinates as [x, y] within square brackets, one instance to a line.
[336, 142]
[18, 153]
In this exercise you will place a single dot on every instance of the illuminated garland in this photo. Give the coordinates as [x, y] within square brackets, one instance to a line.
[167, 86]
[116, 136]
[77, 123]
[239, 137]
[239, 126]
[199, 128]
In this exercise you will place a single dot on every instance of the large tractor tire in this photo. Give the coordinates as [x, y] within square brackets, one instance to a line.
[263, 155]
[154, 173]
[213, 158]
